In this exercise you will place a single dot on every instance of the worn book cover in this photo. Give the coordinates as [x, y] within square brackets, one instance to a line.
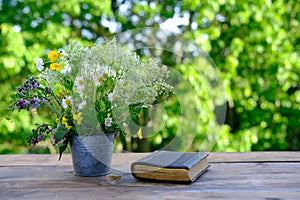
[171, 166]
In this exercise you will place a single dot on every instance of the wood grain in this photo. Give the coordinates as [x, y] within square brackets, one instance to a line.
[255, 175]
[123, 158]
[271, 156]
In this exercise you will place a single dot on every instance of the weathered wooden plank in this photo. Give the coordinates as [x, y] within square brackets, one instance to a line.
[34, 159]
[243, 176]
[271, 156]
[132, 194]
[223, 180]
[123, 158]
[52, 159]
[254, 175]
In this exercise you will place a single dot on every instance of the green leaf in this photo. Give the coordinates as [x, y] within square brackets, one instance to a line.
[62, 147]
[61, 132]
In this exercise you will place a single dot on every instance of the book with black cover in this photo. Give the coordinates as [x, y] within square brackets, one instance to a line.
[171, 166]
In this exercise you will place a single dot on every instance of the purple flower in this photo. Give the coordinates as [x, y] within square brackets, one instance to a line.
[23, 103]
[41, 137]
[53, 140]
[35, 103]
[34, 141]
[48, 130]
[21, 90]
[45, 100]
[61, 141]
[33, 84]
[56, 143]
[30, 84]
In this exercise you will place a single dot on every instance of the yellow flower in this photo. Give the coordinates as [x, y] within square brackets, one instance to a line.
[140, 134]
[78, 118]
[56, 66]
[65, 122]
[68, 127]
[53, 56]
[61, 94]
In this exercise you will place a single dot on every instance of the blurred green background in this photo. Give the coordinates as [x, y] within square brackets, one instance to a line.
[254, 44]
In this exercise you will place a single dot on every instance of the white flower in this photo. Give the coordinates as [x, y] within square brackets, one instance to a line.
[61, 50]
[105, 75]
[98, 79]
[67, 69]
[105, 72]
[101, 75]
[79, 82]
[62, 54]
[88, 49]
[82, 105]
[39, 64]
[81, 91]
[67, 102]
[112, 96]
[108, 122]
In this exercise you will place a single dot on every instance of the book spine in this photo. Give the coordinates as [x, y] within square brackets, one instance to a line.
[194, 160]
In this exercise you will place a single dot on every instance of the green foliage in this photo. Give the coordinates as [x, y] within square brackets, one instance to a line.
[255, 46]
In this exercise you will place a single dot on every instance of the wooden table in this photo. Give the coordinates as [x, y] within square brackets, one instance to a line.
[255, 175]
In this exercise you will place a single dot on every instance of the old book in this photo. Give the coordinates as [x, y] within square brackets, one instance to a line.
[171, 166]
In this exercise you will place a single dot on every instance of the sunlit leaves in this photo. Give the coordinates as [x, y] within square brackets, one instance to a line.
[254, 44]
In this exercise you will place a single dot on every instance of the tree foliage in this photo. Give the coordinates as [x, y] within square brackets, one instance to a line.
[254, 46]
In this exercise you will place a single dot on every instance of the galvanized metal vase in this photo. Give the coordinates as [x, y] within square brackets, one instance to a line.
[92, 155]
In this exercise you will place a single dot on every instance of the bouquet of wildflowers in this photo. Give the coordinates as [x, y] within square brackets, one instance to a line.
[87, 89]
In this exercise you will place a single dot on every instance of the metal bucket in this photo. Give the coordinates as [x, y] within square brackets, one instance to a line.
[92, 155]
